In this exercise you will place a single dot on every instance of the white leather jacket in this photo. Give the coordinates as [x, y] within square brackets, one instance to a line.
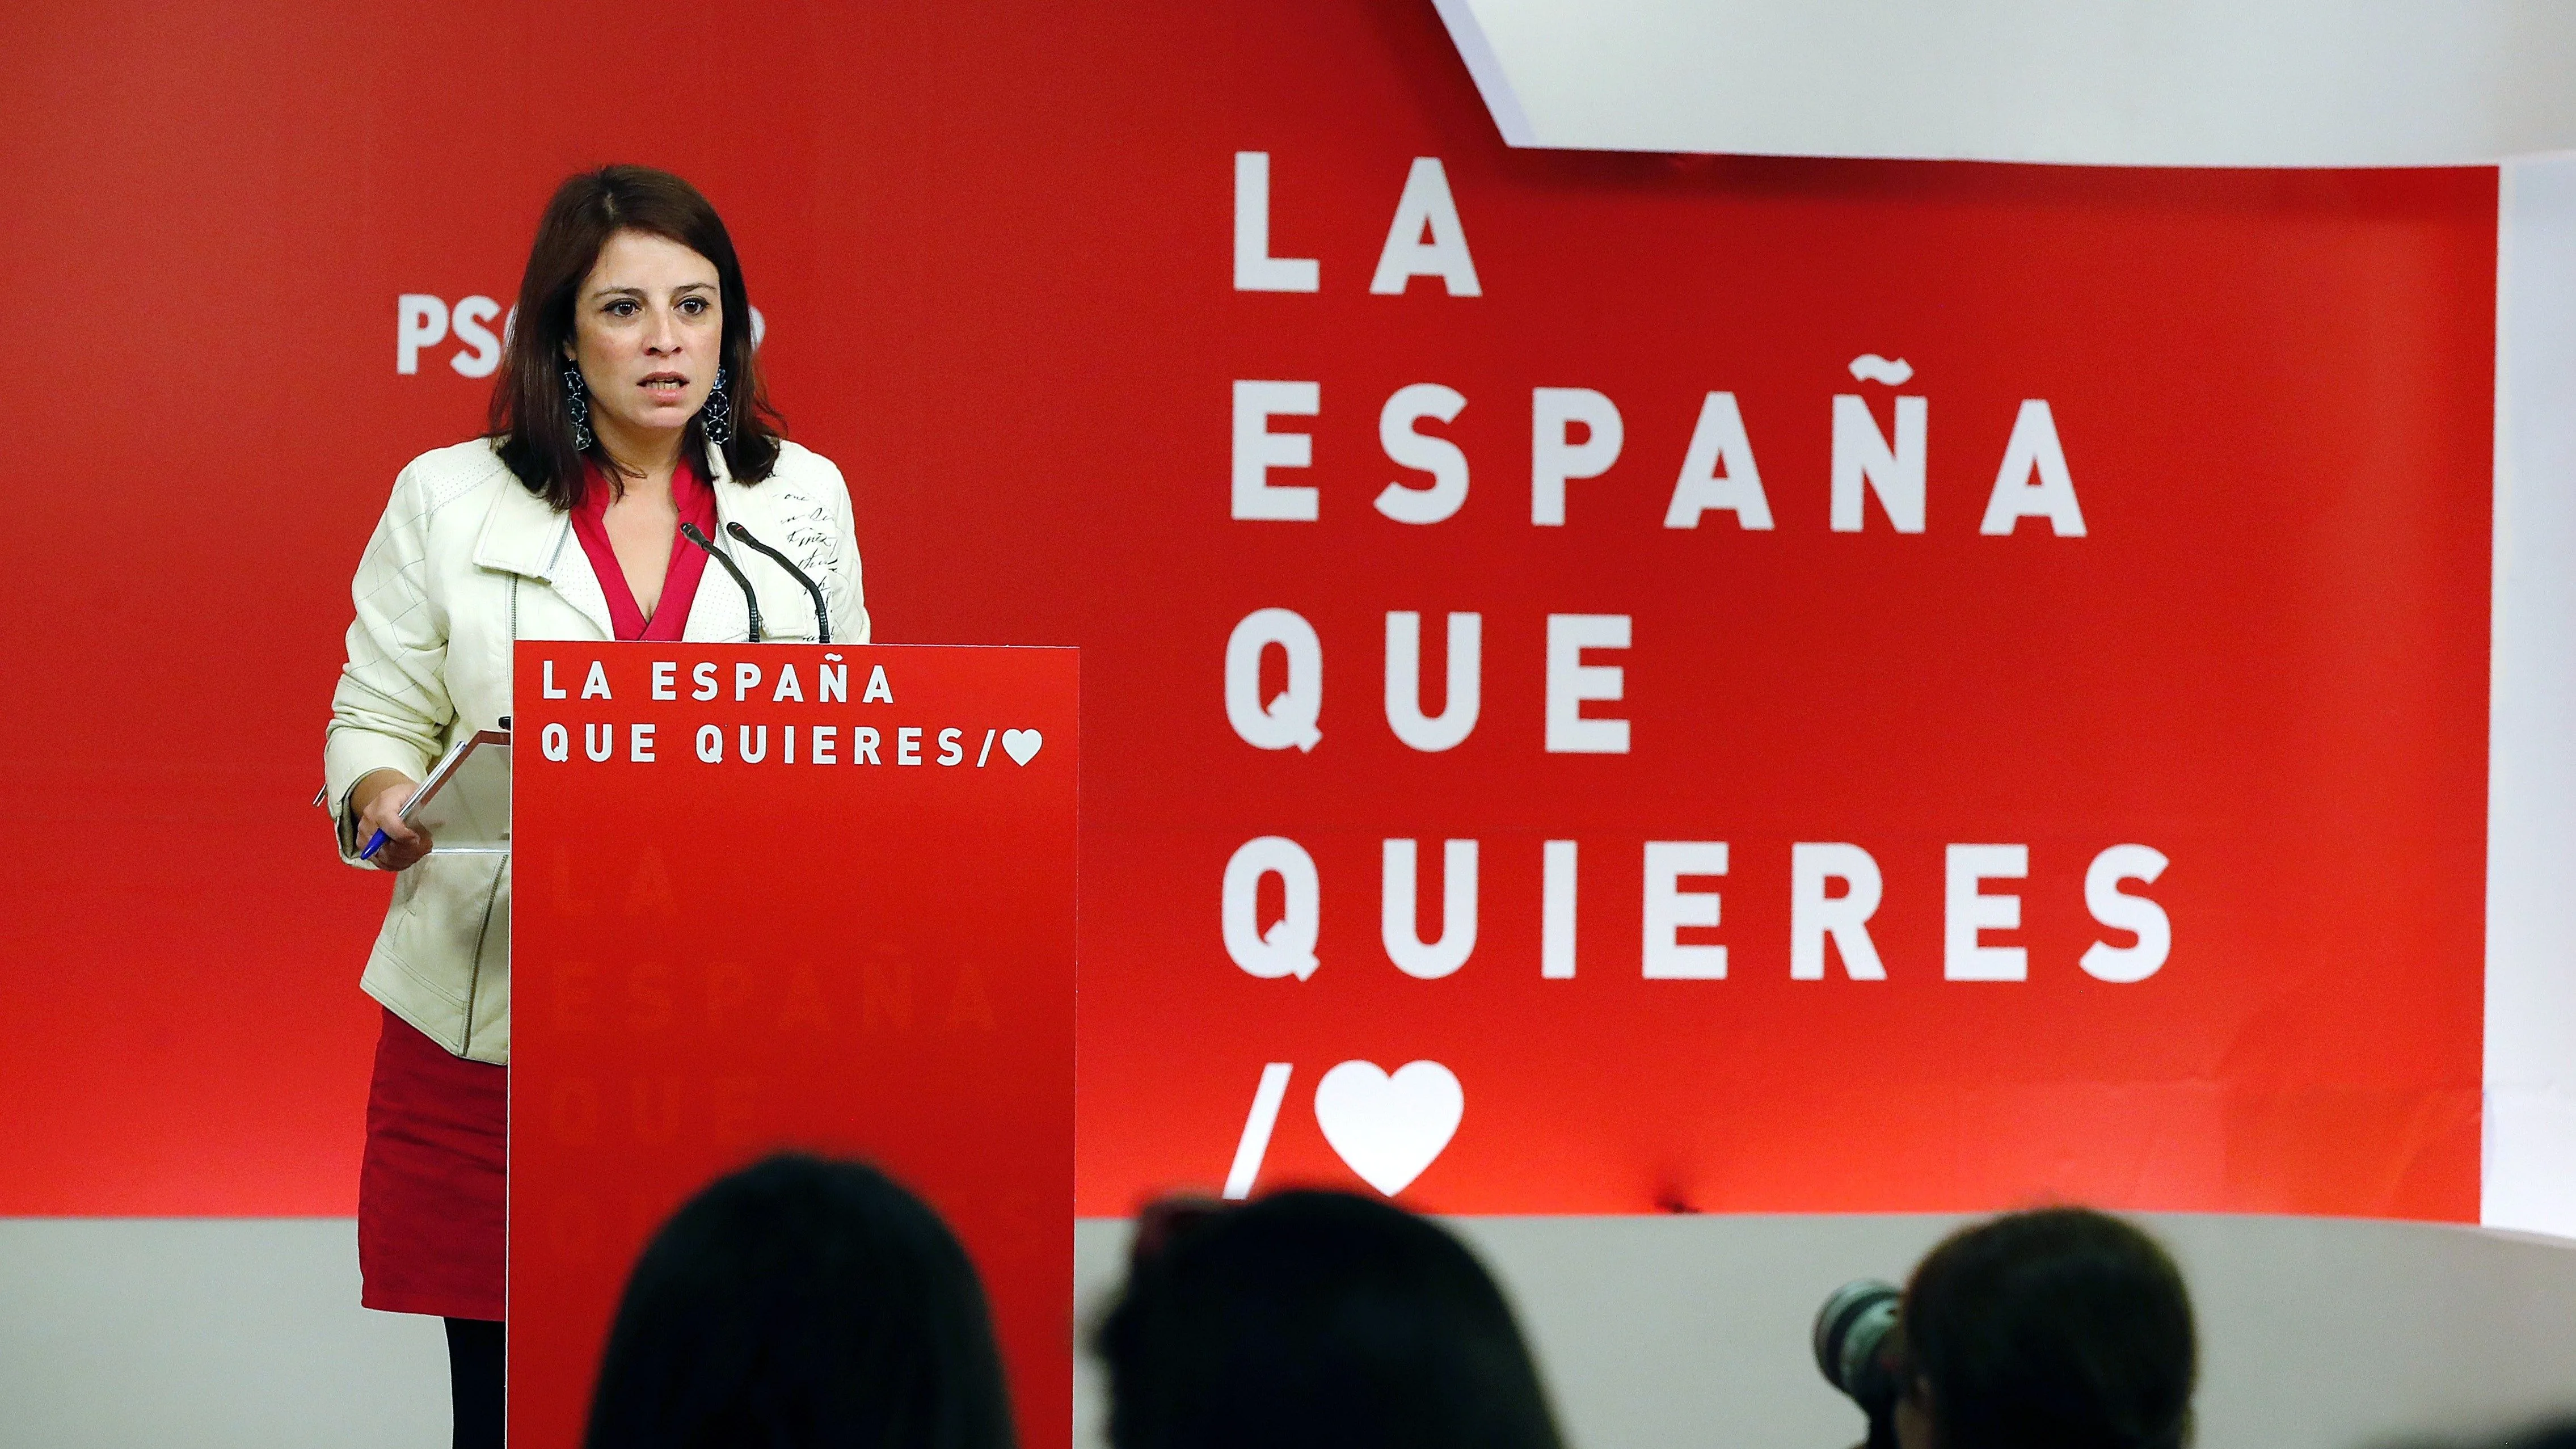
[466, 561]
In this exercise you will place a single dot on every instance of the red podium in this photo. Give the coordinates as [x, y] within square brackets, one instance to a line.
[789, 896]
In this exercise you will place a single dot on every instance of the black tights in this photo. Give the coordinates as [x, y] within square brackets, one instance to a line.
[474, 1351]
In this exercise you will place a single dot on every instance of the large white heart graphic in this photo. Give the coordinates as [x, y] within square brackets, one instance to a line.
[1021, 745]
[1389, 1128]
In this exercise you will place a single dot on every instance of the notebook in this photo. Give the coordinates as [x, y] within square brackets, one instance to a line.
[465, 802]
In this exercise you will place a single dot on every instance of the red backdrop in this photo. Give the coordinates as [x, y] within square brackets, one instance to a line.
[994, 254]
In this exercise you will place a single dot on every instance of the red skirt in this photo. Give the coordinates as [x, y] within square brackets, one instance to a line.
[432, 1189]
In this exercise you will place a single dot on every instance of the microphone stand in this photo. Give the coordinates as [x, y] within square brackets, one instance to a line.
[750, 600]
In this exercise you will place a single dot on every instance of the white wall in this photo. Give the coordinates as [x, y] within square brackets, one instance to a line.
[206, 1333]
[2104, 82]
[2530, 1167]
[1654, 1333]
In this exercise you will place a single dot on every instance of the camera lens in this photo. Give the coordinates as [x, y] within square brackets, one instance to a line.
[1851, 1341]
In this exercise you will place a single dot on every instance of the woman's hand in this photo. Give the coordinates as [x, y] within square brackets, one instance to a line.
[381, 795]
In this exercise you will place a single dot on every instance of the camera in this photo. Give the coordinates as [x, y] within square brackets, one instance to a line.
[1855, 1339]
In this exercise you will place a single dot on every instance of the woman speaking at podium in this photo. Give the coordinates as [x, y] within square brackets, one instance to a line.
[629, 441]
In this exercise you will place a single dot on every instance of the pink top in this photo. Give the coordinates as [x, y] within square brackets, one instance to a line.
[697, 505]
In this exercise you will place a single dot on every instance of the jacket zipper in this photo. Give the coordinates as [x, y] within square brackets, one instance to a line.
[483, 933]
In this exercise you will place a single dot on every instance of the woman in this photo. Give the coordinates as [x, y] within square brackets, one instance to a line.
[2060, 1328]
[1311, 1319]
[629, 402]
[802, 1304]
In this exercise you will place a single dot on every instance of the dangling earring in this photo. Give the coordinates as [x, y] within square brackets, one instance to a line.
[577, 403]
[716, 418]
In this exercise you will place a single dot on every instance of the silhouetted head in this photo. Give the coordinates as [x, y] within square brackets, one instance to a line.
[2556, 1434]
[1313, 1319]
[802, 1303]
[2062, 1328]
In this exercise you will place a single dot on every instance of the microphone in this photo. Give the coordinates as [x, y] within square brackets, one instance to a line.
[750, 600]
[822, 620]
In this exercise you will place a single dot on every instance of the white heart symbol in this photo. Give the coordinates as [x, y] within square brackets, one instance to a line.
[1021, 745]
[1389, 1128]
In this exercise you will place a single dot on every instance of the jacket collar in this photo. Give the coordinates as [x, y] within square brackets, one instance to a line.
[524, 535]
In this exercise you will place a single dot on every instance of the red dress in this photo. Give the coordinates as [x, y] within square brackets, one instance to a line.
[433, 1187]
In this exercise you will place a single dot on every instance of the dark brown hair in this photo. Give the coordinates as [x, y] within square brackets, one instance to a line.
[529, 423]
[2061, 1328]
